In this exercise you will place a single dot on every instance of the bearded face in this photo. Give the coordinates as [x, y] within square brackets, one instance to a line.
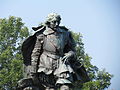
[53, 20]
[54, 24]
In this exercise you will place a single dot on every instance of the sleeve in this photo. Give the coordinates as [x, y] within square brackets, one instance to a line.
[37, 50]
[71, 42]
[70, 46]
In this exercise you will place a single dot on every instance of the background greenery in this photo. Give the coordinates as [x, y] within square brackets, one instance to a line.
[12, 34]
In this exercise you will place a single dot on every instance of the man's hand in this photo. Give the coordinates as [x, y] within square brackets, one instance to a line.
[33, 69]
[68, 56]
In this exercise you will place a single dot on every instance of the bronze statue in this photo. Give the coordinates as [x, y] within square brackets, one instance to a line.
[50, 58]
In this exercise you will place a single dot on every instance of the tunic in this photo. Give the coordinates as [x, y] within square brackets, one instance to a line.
[54, 45]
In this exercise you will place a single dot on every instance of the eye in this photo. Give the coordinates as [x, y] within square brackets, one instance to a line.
[53, 21]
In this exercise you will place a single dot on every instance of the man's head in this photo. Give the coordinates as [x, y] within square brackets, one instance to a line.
[53, 20]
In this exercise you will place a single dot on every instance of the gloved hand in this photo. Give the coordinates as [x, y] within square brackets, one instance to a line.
[68, 56]
[33, 69]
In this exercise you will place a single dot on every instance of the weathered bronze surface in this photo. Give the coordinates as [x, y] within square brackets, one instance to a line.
[49, 57]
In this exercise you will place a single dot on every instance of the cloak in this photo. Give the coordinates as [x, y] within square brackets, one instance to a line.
[28, 46]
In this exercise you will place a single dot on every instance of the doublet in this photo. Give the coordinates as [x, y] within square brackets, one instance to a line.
[54, 45]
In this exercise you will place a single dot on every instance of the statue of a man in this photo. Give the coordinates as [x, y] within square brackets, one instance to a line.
[50, 55]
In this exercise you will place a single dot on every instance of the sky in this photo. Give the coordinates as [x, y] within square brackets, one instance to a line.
[97, 20]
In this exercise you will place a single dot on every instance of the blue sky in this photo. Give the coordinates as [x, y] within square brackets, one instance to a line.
[97, 20]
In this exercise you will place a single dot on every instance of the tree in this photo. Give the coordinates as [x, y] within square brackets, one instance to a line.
[12, 32]
[99, 79]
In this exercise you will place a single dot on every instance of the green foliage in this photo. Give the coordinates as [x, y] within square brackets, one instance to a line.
[12, 32]
[99, 79]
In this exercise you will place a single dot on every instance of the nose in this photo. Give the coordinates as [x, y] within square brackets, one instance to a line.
[56, 23]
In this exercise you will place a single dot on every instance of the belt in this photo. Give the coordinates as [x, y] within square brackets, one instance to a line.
[52, 54]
